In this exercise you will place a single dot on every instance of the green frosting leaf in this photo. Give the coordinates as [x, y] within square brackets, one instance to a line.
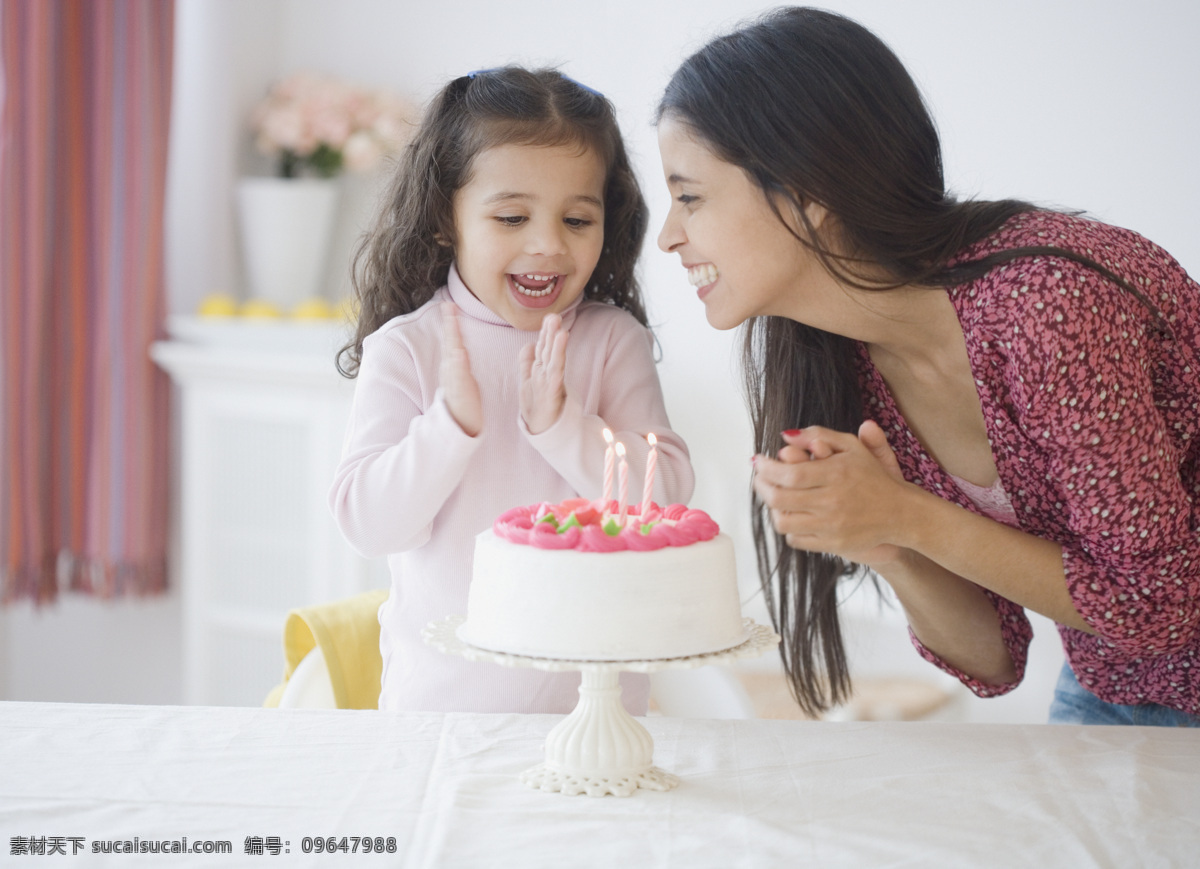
[646, 528]
[572, 522]
[549, 517]
[611, 528]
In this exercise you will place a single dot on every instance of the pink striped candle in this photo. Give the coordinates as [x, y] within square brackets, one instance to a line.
[623, 476]
[608, 468]
[651, 462]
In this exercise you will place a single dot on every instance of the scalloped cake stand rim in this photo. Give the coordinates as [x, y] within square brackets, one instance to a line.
[441, 634]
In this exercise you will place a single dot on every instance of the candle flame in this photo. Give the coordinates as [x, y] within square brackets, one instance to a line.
[652, 439]
[608, 436]
[620, 449]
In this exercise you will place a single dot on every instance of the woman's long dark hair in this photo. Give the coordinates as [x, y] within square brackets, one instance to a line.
[406, 257]
[815, 108]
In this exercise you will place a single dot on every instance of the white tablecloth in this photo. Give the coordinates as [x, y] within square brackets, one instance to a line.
[753, 793]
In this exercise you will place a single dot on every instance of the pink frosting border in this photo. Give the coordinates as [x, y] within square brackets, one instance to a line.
[682, 527]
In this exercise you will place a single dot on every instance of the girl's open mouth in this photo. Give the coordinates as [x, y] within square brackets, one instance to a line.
[535, 290]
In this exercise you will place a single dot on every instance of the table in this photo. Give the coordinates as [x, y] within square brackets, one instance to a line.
[445, 787]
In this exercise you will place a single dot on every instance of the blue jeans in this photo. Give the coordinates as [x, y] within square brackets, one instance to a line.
[1074, 704]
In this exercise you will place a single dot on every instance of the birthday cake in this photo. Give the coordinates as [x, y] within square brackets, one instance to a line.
[583, 580]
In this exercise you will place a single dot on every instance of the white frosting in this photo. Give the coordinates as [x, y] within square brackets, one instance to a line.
[603, 606]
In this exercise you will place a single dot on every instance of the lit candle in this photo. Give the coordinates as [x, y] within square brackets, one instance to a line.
[623, 477]
[608, 468]
[648, 486]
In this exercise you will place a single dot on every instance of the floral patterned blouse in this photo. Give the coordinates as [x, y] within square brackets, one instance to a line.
[1093, 416]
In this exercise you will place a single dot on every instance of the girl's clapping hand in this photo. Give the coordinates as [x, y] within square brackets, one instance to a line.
[459, 386]
[543, 364]
[833, 492]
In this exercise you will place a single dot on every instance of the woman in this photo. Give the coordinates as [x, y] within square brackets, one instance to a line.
[992, 406]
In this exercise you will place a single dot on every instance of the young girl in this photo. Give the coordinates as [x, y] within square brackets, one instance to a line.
[1001, 401]
[511, 231]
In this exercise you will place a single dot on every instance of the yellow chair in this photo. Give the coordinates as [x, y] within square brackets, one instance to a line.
[331, 655]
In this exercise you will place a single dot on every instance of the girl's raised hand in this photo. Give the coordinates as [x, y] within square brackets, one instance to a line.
[459, 386]
[543, 364]
[834, 492]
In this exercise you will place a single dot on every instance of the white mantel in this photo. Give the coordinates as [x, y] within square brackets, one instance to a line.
[261, 412]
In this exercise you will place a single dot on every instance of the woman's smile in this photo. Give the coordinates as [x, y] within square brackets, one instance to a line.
[702, 277]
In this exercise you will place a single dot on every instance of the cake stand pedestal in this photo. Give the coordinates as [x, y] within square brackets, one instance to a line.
[599, 748]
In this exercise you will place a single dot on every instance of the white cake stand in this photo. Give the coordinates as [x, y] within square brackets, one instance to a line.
[599, 748]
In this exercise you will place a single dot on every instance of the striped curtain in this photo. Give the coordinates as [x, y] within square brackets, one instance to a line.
[83, 411]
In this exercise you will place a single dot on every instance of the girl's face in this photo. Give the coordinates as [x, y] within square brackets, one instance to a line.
[530, 229]
[743, 261]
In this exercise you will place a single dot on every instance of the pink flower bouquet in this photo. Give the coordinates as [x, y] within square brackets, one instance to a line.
[318, 125]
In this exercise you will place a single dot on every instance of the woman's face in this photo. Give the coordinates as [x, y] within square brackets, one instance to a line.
[740, 257]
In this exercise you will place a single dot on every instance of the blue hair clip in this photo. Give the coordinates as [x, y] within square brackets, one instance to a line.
[474, 73]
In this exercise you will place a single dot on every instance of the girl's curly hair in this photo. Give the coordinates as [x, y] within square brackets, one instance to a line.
[406, 257]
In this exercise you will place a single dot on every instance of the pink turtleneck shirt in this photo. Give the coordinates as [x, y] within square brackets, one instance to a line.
[413, 486]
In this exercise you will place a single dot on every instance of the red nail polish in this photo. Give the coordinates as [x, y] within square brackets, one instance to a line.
[793, 432]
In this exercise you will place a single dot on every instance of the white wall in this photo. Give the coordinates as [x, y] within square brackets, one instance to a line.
[1065, 102]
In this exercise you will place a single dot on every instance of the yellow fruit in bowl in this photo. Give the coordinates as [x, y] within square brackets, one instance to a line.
[260, 309]
[313, 309]
[218, 305]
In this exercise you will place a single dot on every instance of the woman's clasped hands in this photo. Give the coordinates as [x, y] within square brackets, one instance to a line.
[542, 369]
[838, 493]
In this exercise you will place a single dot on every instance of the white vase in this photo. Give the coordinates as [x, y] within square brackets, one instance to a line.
[287, 224]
